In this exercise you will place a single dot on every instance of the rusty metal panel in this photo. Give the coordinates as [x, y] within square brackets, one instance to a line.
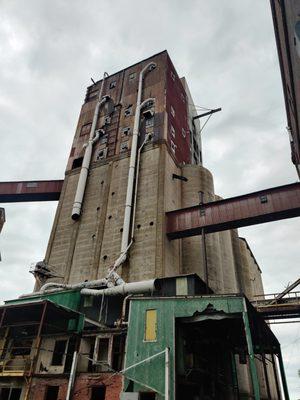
[254, 208]
[11, 192]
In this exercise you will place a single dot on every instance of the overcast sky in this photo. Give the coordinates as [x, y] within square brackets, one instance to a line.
[225, 49]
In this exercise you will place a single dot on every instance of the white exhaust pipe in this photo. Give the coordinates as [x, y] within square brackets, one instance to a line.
[76, 211]
[126, 243]
[53, 287]
[141, 287]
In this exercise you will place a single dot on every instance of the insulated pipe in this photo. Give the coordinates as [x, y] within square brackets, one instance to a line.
[127, 288]
[132, 166]
[79, 285]
[53, 287]
[76, 211]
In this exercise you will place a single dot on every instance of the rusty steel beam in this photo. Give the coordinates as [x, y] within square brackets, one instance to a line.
[13, 192]
[254, 208]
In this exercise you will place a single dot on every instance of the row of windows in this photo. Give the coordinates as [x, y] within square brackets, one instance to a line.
[131, 78]
[173, 76]
[173, 132]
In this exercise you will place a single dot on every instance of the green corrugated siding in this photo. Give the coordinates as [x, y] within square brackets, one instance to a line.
[69, 299]
[151, 374]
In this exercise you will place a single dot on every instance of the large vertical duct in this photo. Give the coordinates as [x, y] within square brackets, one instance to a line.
[200, 180]
[76, 210]
[126, 242]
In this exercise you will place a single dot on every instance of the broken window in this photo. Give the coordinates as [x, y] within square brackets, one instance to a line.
[85, 129]
[173, 146]
[98, 392]
[150, 325]
[132, 76]
[149, 118]
[103, 137]
[126, 131]
[107, 120]
[10, 393]
[77, 162]
[70, 354]
[59, 352]
[52, 392]
[183, 132]
[113, 84]
[117, 352]
[172, 111]
[172, 130]
[149, 122]
[103, 353]
[102, 154]
[21, 347]
[128, 111]
[173, 76]
[123, 147]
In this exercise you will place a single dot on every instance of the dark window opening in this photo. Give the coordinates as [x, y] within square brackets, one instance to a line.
[126, 131]
[113, 84]
[128, 111]
[21, 347]
[101, 357]
[102, 154]
[98, 392]
[77, 162]
[132, 76]
[263, 199]
[10, 393]
[118, 351]
[147, 396]
[59, 352]
[85, 129]
[70, 353]
[123, 147]
[52, 393]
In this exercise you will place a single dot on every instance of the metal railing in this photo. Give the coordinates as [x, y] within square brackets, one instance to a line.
[15, 366]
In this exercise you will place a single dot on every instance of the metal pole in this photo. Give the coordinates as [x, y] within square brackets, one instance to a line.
[266, 375]
[234, 377]
[72, 375]
[38, 345]
[253, 370]
[203, 247]
[167, 373]
[276, 377]
[283, 377]
[2, 317]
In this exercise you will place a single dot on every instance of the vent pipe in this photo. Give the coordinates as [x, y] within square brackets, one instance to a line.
[126, 243]
[76, 211]
[142, 287]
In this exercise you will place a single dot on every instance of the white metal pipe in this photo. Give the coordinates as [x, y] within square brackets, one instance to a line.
[53, 287]
[79, 285]
[132, 162]
[76, 210]
[72, 375]
[167, 373]
[126, 288]
[122, 257]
